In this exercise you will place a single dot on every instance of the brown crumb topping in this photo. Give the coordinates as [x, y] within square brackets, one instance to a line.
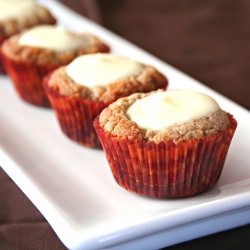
[115, 121]
[28, 54]
[147, 80]
[40, 15]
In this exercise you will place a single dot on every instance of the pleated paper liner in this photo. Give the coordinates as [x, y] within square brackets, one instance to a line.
[75, 116]
[167, 169]
[27, 80]
[2, 70]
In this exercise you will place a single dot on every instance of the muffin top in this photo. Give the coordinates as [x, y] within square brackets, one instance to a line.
[162, 116]
[16, 15]
[51, 44]
[105, 77]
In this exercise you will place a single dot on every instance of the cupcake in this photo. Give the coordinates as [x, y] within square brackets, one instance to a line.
[165, 144]
[17, 15]
[30, 55]
[79, 91]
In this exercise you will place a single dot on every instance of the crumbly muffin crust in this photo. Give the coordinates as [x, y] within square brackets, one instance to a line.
[114, 120]
[40, 15]
[147, 80]
[28, 54]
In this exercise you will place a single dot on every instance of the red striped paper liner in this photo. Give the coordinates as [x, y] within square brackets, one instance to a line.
[75, 116]
[167, 169]
[2, 70]
[27, 80]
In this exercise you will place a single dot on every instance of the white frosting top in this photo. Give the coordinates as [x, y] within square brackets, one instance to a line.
[51, 37]
[15, 8]
[163, 109]
[101, 69]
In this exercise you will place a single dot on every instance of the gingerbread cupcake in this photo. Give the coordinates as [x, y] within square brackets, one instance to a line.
[32, 54]
[79, 91]
[17, 15]
[166, 144]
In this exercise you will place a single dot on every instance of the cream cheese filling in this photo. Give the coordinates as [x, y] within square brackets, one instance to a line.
[163, 109]
[15, 8]
[101, 69]
[51, 37]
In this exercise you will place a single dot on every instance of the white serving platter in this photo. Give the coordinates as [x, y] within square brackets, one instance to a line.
[73, 188]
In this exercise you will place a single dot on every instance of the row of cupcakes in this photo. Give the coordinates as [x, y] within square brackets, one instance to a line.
[93, 80]
[159, 144]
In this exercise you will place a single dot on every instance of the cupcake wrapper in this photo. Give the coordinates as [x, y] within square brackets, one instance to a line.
[2, 70]
[75, 116]
[27, 80]
[167, 169]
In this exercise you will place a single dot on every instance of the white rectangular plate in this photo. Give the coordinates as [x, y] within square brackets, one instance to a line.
[73, 188]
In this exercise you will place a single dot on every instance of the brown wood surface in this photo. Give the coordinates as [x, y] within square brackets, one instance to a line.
[209, 40]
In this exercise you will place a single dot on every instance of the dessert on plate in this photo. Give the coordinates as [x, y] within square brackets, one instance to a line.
[32, 54]
[79, 91]
[166, 143]
[17, 15]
